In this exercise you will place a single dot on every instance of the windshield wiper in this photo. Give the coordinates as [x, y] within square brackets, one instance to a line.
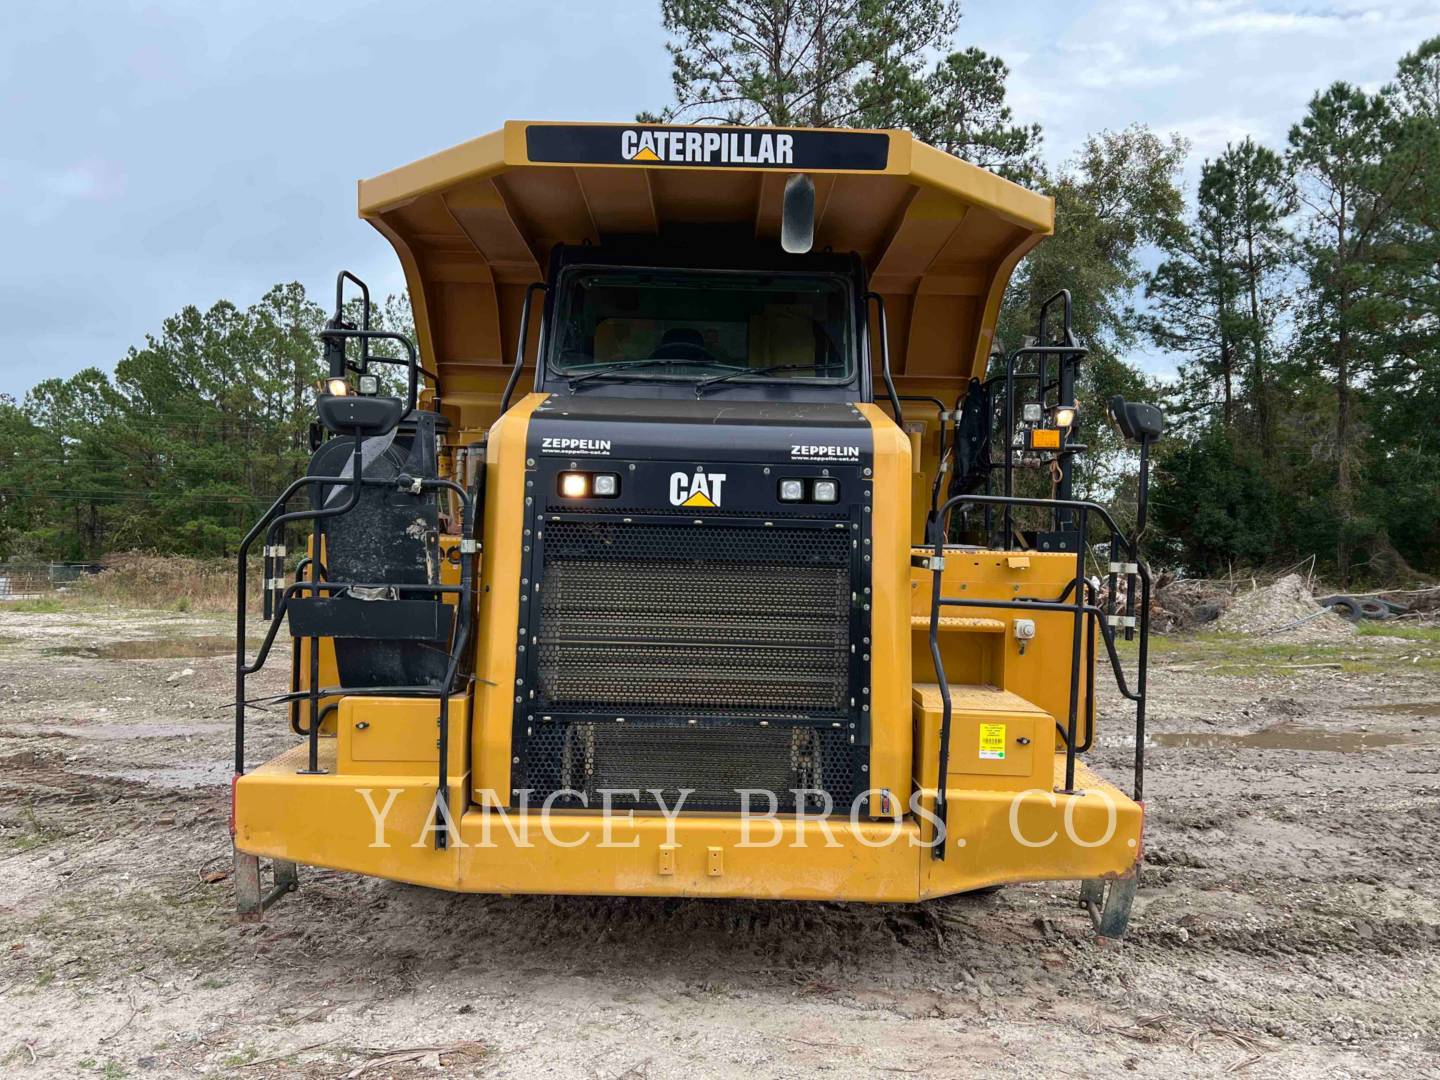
[625, 365]
[738, 372]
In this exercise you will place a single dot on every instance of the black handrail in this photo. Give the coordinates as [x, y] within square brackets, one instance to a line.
[1062, 295]
[242, 570]
[337, 358]
[520, 344]
[411, 362]
[340, 279]
[272, 522]
[317, 573]
[884, 328]
[314, 586]
[1072, 599]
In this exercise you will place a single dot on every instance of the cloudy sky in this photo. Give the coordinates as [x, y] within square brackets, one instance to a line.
[164, 153]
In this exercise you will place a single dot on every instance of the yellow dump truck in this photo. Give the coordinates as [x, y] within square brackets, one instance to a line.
[688, 558]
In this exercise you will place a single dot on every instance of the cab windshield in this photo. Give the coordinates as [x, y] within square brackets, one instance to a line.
[667, 324]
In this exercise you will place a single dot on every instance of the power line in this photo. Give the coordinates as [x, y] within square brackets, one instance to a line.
[114, 495]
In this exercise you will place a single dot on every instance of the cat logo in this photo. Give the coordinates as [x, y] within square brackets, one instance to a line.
[668, 146]
[701, 490]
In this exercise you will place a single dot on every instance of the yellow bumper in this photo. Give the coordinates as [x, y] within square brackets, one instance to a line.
[382, 826]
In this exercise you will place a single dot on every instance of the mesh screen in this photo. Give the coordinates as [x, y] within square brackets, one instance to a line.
[669, 625]
[687, 619]
[714, 761]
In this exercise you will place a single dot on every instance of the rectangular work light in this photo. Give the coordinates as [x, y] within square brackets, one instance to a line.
[584, 485]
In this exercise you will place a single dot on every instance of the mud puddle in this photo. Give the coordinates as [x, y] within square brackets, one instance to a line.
[151, 648]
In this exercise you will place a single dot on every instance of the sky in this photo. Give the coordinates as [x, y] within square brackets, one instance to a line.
[159, 154]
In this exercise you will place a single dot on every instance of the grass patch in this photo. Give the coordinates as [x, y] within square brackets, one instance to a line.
[29, 834]
[42, 605]
[166, 582]
[1389, 629]
[1240, 655]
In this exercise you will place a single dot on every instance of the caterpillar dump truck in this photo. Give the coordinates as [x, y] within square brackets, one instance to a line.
[689, 558]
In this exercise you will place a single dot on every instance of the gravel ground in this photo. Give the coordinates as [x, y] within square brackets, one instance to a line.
[1288, 924]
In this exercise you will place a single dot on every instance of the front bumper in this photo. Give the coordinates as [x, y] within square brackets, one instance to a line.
[381, 826]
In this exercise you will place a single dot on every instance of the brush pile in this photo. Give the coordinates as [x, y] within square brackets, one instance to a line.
[1283, 611]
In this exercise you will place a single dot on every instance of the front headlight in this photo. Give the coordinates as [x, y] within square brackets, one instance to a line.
[825, 491]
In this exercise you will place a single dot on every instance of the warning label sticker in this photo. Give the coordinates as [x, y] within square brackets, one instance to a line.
[992, 742]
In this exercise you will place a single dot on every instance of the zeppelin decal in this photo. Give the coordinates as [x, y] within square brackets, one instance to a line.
[712, 147]
[553, 444]
[801, 452]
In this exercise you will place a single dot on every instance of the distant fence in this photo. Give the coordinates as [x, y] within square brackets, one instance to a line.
[28, 581]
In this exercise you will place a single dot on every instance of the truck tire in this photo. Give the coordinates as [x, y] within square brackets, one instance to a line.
[1347, 607]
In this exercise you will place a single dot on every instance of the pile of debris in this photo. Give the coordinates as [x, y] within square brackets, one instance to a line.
[1186, 603]
[1282, 608]
[1284, 611]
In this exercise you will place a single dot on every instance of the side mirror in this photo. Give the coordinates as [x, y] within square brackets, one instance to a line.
[367, 416]
[797, 215]
[1136, 420]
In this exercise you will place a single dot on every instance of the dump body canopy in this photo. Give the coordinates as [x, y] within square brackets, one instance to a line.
[475, 224]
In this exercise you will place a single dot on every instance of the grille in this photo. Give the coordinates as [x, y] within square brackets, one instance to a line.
[711, 761]
[684, 619]
[694, 635]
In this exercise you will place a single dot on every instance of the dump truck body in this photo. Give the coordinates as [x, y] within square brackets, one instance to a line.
[688, 610]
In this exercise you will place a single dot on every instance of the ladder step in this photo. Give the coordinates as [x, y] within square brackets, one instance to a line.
[960, 624]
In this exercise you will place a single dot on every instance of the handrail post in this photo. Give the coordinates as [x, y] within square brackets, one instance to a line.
[942, 809]
[471, 510]
[1141, 685]
[520, 342]
[1077, 636]
[884, 328]
[1008, 442]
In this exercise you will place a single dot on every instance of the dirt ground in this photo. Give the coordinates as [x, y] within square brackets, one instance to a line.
[1288, 923]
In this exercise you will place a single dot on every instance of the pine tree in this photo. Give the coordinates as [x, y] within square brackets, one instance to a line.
[1351, 189]
[844, 63]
